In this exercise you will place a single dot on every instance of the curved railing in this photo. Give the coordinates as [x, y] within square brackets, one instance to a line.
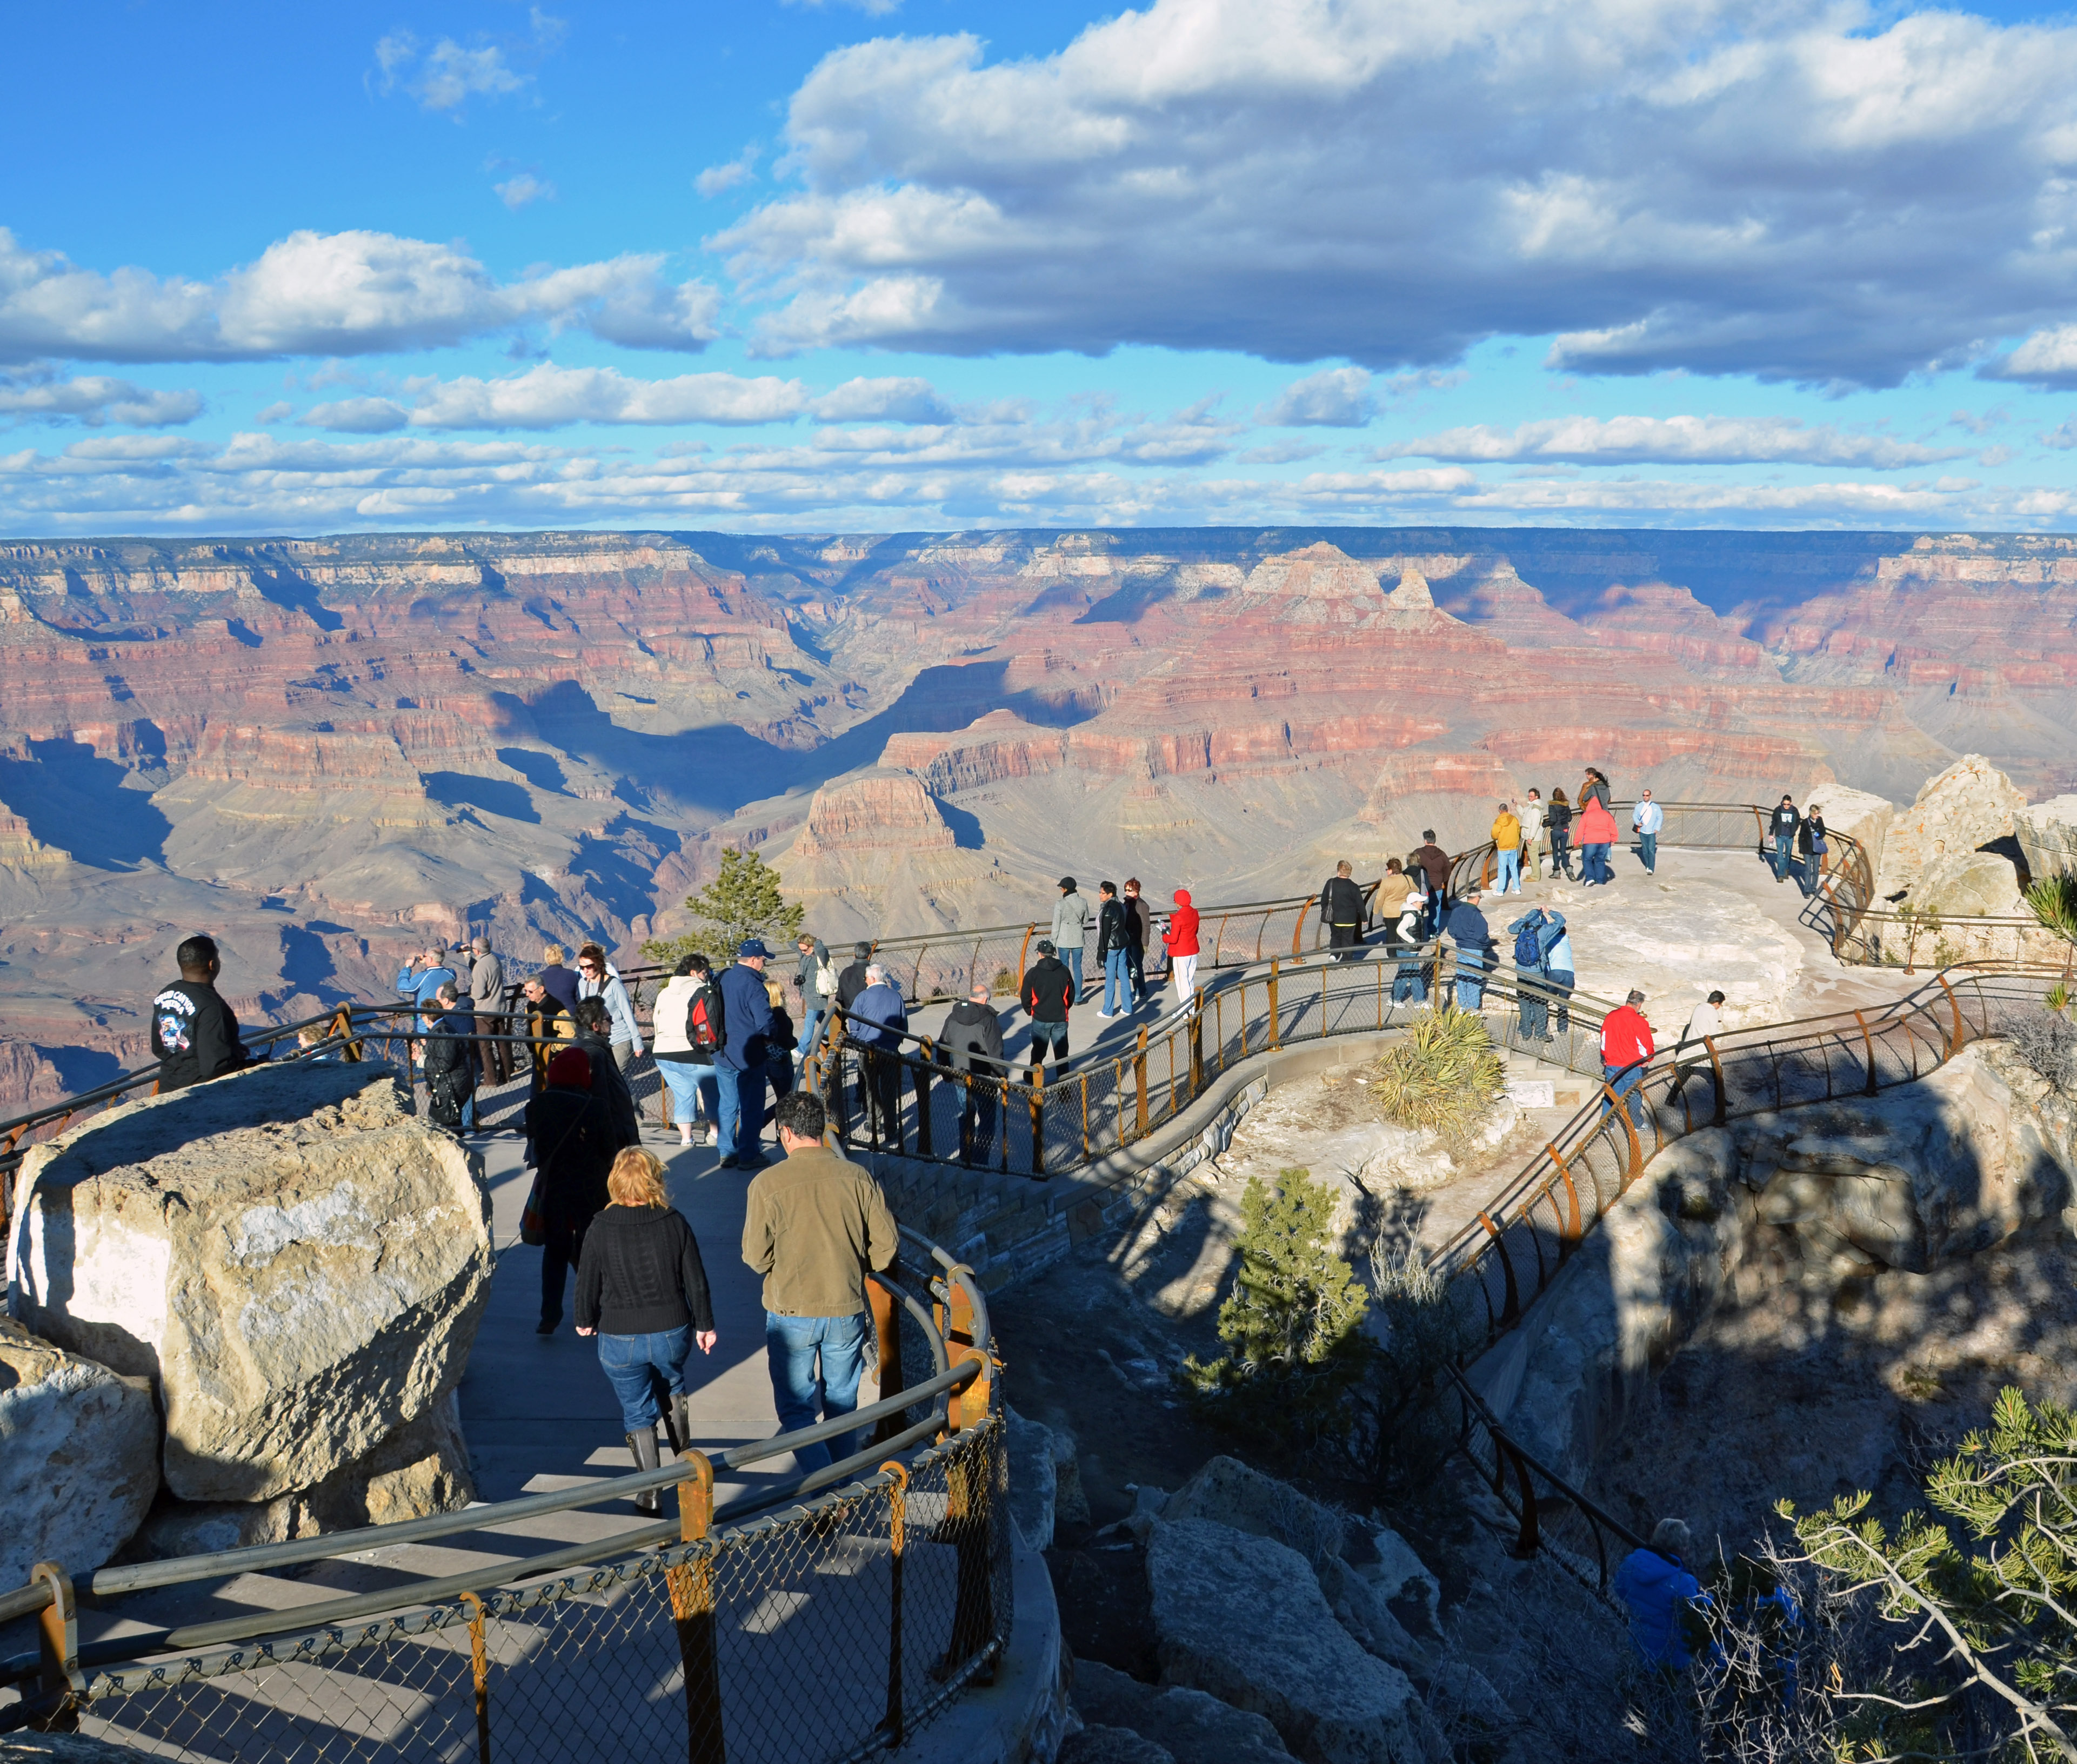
[883, 1580]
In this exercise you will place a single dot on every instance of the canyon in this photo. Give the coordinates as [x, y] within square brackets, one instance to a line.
[328, 751]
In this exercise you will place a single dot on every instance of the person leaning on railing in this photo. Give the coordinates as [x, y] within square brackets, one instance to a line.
[193, 1032]
[641, 1289]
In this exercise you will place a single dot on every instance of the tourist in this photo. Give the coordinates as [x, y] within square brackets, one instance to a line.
[1112, 916]
[1656, 1588]
[641, 1289]
[1560, 976]
[450, 1029]
[1784, 825]
[1047, 991]
[1627, 1047]
[1535, 838]
[879, 1020]
[1469, 931]
[689, 1032]
[1597, 838]
[1396, 903]
[1409, 979]
[1342, 912]
[1181, 941]
[1139, 939]
[747, 1018]
[569, 1124]
[1507, 848]
[1434, 863]
[486, 994]
[1071, 924]
[547, 1025]
[814, 1227]
[562, 984]
[597, 978]
[1532, 999]
[425, 974]
[1645, 818]
[1558, 818]
[815, 980]
[1704, 1026]
[192, 1030]
[778, 1040]
[1811, 842]
[1595, 789]
[852, 981]
[972, 1045]
[594, 1027]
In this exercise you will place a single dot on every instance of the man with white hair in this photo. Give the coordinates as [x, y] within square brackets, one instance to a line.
[486, 992]
[879, 1020]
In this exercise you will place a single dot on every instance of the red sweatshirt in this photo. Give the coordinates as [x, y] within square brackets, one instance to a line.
[1181, 938]
[1626, 1037]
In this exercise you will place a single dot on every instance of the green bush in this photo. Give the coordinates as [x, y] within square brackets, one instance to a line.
[2054, 899]
[1443, 1075]
[742, 901]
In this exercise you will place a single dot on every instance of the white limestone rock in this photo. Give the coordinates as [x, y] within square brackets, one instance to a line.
[1958, 811]
[296, 1262]
[79, 1458]
[2047, 834]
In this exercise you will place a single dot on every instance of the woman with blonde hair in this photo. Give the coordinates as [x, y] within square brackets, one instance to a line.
[643, 1289]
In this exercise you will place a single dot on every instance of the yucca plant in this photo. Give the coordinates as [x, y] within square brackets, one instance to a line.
[2053, 899]
[1444, 1075]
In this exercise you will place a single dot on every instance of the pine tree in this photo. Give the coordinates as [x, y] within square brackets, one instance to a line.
[1291, 1323]
[743, 901]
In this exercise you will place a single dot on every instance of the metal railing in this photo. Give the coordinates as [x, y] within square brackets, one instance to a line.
[883, 1581]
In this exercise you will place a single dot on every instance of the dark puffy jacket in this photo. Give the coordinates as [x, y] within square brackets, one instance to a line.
[972, 1038]
[1110, 927]
[1138, 923]
[1047, 991]
[562, 984]
[449, 1073]
[1433, 862]
[1340, 901]
[850, 984]
[1467, 928]
[609, 1082]
[575, 1143]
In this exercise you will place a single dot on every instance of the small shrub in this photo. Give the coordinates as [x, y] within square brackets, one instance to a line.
[2053, 899]
[1444, 1075]
[2047, 1042]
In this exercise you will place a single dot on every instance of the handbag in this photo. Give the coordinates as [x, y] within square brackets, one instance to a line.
[533, 1222]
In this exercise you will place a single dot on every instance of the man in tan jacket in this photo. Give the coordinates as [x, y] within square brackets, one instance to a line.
[815, 1224]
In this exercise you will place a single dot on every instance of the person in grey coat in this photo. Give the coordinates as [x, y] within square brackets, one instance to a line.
[486, 993]
[1071, 927]
[971, 1042]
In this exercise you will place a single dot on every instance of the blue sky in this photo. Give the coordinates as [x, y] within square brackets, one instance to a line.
[925, 263]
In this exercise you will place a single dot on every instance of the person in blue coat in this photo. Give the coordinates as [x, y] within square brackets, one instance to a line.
[1657, 1590]
[747, 1018]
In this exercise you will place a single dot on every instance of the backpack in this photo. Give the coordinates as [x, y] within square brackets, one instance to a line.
[1528, 947]
[704, 1029]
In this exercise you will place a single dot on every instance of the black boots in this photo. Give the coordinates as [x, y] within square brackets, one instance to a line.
[678, 1423]
[642, 1443]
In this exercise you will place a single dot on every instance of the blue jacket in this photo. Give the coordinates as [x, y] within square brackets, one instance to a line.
[1654, 1588]
[882, 1006]
[1552, 939]
[746, 1010]
[419, 987]
[1467, 928]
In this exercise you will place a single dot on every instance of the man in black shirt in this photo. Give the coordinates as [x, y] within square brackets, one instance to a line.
[1342, 912]
[852, 981]
[192, 1030]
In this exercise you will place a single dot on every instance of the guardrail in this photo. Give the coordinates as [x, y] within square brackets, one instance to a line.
[883, 1581]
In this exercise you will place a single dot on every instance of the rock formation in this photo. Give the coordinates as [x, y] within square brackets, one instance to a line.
[79, 1458]
[296, 1265]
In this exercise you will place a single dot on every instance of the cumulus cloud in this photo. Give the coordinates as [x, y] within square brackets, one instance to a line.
[2048, 358]
[1671, 440]
[356, 416]
[333, 293]
[1817, 196]
[451, 73]
[40, 396]
[906, 399]
[517, 191]
[739, 170]
[1338, 398]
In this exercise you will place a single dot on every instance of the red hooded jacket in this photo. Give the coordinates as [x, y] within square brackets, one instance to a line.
[1595, 826]
[1625, 1037]
[1181, 938]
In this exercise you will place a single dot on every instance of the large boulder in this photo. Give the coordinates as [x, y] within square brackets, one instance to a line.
[296, 1262]
[1034, 1481]
[1958, 811]
[1242, 1618]
[2047, 835]
[1191, 1726]
[79, 1458]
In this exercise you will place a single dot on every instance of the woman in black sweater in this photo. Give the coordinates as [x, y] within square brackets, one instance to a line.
[641, 1289]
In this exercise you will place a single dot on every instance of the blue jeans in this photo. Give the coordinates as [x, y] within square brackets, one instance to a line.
[1073, 956]
[1118, 979]
[804, 1394]
[1647, 848]
[1559, 982]
[742, 1111]
[1625, 1087]
[1594, 864]
[1510, 870]
[635, 1365]
[1409, 986]
[811, 1018]
[1811, 867]
[690, 1086]
[1784, 855]
[1533, 1016]
[1471, 979]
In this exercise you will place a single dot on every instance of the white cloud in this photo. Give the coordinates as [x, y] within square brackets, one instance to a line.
[1822, 195]
[1668, 440]
[739, 170]
[279, 411]
[1336, 398]
[333, 293]
[451, 73]
[356, 416]
[905, 399]
[547, 397]
[40, 396]
[2048, 358]
[517, 191]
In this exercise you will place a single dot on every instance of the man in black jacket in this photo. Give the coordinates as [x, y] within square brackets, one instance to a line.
[852, 981]
[192, 1030]
[1047, 992]
[594, 1030]
[971, 1042]
[1785, 824]
[1111, 957]
[450, 1072]
[1342, 912]
[572, 1130]
[1138, 935]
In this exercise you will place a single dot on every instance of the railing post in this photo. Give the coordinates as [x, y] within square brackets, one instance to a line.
[57, 1650]
[1024, 952]
[1298, 925]
[1139, 1080]
[342, 1026]
[1868, 1046]
[1275, 1040]
[479, 1665]
[1038, 1101]
[897, 1543]
[923, 1083]
[1621, 1104]
[887, 1336]
[1198, 1046]
[691, 1586]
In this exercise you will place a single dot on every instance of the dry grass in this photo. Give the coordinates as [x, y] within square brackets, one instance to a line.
[1444, 1075]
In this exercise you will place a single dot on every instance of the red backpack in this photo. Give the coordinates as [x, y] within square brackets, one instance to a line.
[704, 1028]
